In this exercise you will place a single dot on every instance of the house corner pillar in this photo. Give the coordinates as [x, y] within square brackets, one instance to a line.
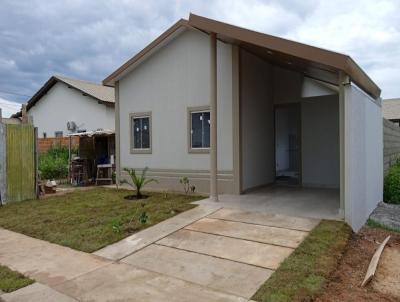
[213, 119]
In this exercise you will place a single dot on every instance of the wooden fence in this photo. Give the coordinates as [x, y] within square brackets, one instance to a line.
[18, 162]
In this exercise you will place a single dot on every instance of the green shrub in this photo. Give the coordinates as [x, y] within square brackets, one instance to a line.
[54, 163]
[391, 188]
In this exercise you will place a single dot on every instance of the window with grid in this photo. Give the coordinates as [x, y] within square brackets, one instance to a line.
[140, 132]
[200, 129]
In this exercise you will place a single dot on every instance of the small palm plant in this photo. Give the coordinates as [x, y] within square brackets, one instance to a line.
[139, 181]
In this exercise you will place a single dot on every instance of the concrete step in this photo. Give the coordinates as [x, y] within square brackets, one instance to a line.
[252, 232]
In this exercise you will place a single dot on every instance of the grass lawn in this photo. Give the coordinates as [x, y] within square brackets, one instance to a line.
[11, 280]
[303, 274]
[88, 220]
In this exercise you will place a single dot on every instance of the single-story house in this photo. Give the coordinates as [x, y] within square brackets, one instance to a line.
[64, 105]
[236, 110]
[391, 110]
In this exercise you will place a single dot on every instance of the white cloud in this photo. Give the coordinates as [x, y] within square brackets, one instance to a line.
[8, 108]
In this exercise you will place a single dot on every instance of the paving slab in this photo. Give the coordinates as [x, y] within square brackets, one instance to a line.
[124, 282]
[224, 275]
[148, 236]
[253, 232]
[267, 219]
[36, 293]
[248, 252]
[43, 261]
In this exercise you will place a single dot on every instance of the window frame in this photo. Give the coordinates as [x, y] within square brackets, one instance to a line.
[190, 111]
[58, 132]
[138, 115]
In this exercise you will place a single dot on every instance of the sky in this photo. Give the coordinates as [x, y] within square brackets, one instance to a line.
[88, 39]
[8, 108]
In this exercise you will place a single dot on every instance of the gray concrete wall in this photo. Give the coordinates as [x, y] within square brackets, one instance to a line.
[391, 144]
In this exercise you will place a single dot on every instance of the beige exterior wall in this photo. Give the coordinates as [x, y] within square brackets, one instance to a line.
[166, 84]
[62, 104]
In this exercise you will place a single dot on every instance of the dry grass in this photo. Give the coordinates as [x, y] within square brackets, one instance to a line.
[88, 220]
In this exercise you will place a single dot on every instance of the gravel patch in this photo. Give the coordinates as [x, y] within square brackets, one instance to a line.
[387, 214]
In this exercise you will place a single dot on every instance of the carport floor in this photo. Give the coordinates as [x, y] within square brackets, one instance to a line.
[292, 201]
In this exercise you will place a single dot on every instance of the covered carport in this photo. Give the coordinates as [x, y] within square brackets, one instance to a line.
[337, 145]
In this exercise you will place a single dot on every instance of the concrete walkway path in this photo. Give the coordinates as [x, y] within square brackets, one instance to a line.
[204, 254]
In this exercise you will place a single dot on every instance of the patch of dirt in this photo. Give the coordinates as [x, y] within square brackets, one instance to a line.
[387, 277]
[344, 284]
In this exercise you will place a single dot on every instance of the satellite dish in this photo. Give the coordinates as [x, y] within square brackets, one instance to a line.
[71, 126]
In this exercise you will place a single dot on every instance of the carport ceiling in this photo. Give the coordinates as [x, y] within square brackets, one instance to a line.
[312, 61]
[308, 68]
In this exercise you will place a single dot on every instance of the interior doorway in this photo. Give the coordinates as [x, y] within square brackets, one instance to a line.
[288, 144]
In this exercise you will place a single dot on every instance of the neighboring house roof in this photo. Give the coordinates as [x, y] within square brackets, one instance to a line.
[312, 61]
[103, 94]
[391, 109]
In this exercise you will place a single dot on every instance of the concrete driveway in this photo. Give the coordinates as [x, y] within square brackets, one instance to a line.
[205, 254]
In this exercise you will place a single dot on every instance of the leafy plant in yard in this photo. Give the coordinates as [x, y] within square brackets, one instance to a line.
[143, 217]
[138, 182]
[116, 226]
[54, 163]
[185, 183]
[187, 187]
[391, 188]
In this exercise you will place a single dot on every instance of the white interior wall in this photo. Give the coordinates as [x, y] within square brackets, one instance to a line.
[363, 156]
[166, 84]
[319, 125]
[281, 139]
[320, 141]
[257, 122]
[62, 104]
